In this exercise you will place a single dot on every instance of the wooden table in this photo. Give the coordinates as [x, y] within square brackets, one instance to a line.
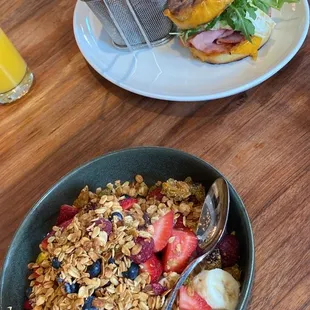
[259, 139]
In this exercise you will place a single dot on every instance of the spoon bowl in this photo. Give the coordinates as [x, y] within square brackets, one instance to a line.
[214, 215]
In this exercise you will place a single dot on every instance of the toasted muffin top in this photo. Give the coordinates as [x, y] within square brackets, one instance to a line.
[179, 6]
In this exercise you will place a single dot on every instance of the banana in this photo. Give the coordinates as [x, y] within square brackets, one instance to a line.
[218, 288]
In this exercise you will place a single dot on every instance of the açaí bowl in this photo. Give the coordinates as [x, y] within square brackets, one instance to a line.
[154, 163]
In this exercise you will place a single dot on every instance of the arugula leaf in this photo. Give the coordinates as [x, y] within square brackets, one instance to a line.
[210, 25]
[251, 11]
[261, 5]
[235, 16]
[276, 4]
[205, 27]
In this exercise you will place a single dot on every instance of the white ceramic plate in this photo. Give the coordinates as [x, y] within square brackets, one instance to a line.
[169, 72]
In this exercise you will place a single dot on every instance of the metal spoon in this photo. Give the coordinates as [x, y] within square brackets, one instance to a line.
[210, 230]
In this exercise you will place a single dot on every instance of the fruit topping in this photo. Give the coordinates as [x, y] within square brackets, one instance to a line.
[147, 220]
[28, 292]
[66, 213]
[116, 216]
[190, 300]
[56, 263]
[179, 250]
[154, 267]
[59, 279]
[143, 250]
[179, 222]
[104, 225]
[218, 288]
[71, 288]
[132, 272]
[88, 304]
[229, 249]
[41, 257]
[111, 260]
[27, 305]
[44, 242]
[162, 231]
[156, 194]
[94, 269]
[127, 203]
[155, 289]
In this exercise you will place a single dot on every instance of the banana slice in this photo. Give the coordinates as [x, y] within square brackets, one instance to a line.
[218, 288]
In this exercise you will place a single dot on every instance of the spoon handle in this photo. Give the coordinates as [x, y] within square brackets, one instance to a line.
[182, 279]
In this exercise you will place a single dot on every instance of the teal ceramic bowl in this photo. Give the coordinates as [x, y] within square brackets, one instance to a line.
[154, 163]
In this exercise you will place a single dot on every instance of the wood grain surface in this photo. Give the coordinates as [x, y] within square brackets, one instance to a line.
[259, 139]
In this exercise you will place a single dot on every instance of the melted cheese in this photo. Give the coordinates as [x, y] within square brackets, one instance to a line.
[248, 48]
[200, 14]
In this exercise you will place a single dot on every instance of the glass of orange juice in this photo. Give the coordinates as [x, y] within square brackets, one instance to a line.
[15, 77]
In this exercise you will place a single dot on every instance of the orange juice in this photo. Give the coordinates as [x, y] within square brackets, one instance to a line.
[12, 65]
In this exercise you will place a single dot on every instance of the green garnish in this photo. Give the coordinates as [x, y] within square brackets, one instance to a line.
[205, 27]
[277, 4]
[261, 5]
[237, 17]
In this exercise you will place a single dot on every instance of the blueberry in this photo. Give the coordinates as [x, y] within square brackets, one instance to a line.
[88, 304]
[147, 219]
[59, 279]
[111, 260]
[95, 269]
[71, 288]
[118, 215]
[132, 272]
[28, 292]
[56, 263]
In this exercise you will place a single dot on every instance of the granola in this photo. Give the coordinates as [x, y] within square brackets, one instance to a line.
[100, 255]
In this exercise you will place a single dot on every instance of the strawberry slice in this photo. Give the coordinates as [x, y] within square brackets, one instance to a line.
[162, 231]
[127, 203]
[179, 222]
[179, 251]
[44, 242]
[66, 213]
[27, 305]
[156, 194]
[191, 300]
[154, 267]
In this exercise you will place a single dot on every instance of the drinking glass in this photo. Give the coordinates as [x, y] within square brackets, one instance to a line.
[15, 76]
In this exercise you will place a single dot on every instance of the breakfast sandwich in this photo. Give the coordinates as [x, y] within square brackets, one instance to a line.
[223, 31]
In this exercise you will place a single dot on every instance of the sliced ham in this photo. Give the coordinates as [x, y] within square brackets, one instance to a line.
[216, 41]
[226, 34]
[234, 38]
[203, 39]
